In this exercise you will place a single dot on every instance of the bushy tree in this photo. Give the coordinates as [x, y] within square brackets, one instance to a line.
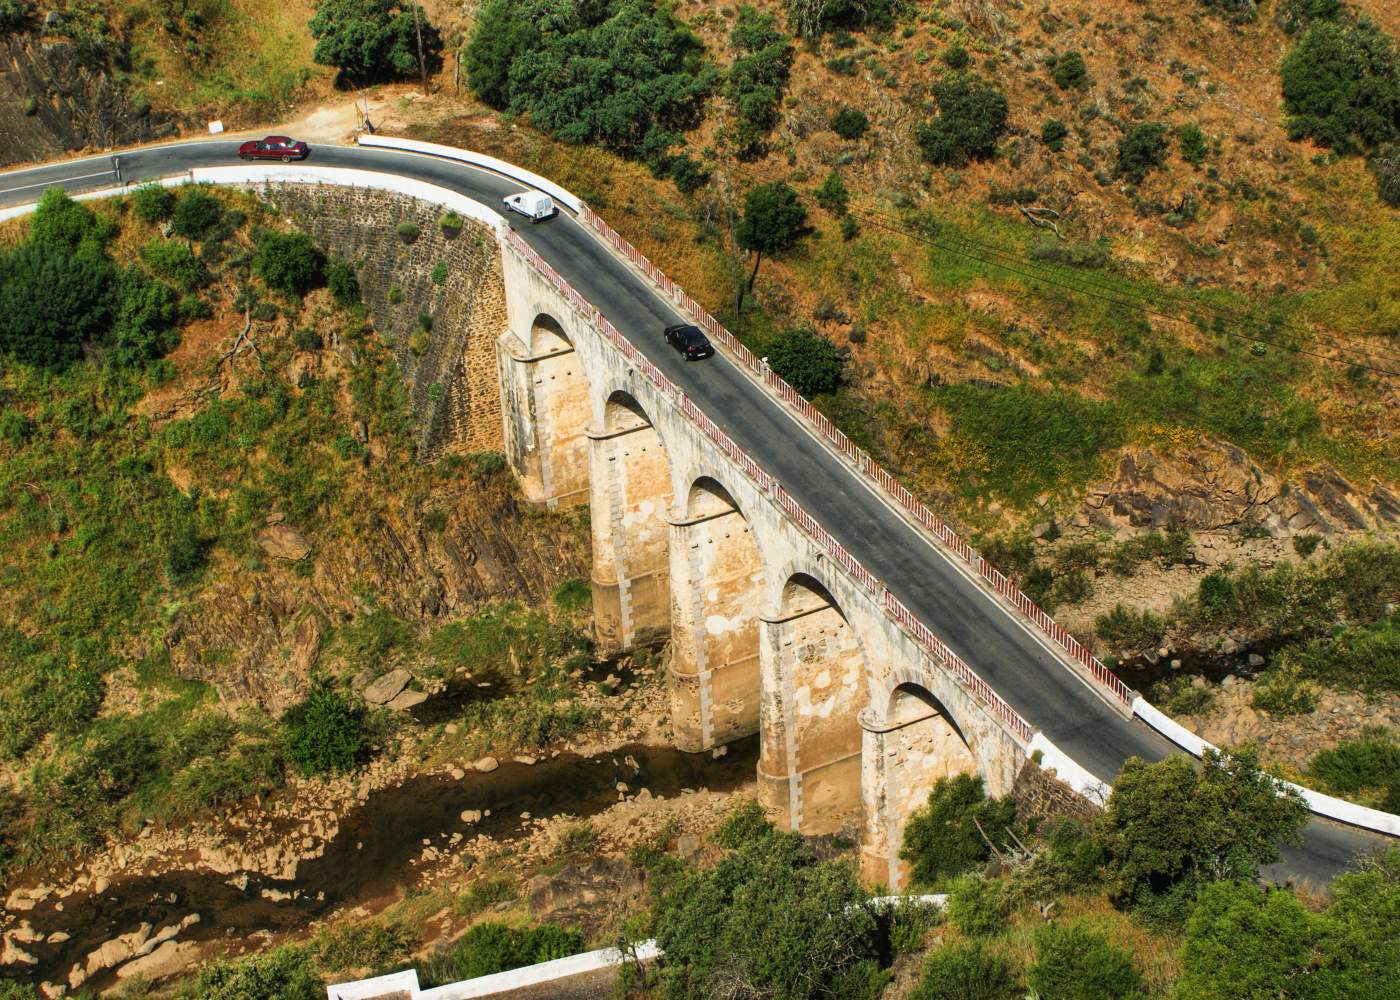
[970, 971]
[1069, 71]
[807, 361]
[757, 78]
[326, 733]
[971, 118]
[373, 40]
[153, 202]
[288, 262]
[197, 213]
[1075, 962]
[1341, 86]
[773, 221]
[173, 260]
[832, 195]
[1141, 151]
[622, 73]
[286, 973]
[143, 322]
[942, 839]
[1053, 133]
[1171, 824]
[769, 920]
[343, 284]
[59, 221]
[52, 300]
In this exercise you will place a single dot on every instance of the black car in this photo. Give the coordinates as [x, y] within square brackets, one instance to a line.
[690, 341]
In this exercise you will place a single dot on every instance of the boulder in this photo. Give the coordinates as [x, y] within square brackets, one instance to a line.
[170, 957]
[384, 690]
[282, 541]
[486, 765]
[406, 699]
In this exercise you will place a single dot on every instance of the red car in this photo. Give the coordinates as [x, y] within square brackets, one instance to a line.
[274, 147]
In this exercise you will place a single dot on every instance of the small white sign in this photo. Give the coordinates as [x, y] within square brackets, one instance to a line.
[216, 127]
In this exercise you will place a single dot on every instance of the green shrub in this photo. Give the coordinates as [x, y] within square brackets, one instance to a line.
[807, 361]
[1282, 691]
[450, 222]
[1306, 544]
[1077, 963]
[812, 18]
[1074, 253]
[369, 41]
[942, 837]
[956, 57]
[909, 924]
[153, 202]
[1069, 71]
[971, 118]
[439, 273]
[288, 262]
[326, 733]
[1180, 696]
[850, 229]
[408, 231]
[394, 295]
[52, 301]
[1368, 763]
[573, 595]
[1129, 630]
[1295, 15]
[491, 947]
[1341, 86]
[59, 221]
[173, 260]
[1363, 659]
[15, 428]
[343, 284]
[286, 973]
[370, 944]
[979, 906]
[757, 77]
[1192, 142]
[197, 214]
[746, 822]
[1141, 151]
[850, 123]
[1215, 593]
[1233, 11]
[832, 194]
[969, 971]
[769, 919]
[1053, 134]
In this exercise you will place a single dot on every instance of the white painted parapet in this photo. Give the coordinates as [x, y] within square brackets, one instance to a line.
[559, 194]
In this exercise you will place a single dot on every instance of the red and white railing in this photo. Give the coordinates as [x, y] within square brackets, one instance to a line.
[864, 464]
[941, 655]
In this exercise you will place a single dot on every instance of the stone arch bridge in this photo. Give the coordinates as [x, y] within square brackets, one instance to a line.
[807, 596]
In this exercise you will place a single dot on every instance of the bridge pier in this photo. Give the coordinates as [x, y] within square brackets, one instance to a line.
[630, 493]
[545, 405]
[814, 684]
[716, 591]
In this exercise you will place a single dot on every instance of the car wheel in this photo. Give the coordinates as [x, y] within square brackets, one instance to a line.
[286, 158]
[244, 156]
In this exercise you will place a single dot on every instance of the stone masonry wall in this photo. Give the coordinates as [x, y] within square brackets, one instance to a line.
[451, 379]
[1042, 795]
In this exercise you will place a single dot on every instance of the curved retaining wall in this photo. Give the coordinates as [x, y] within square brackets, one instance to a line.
[1051, 757]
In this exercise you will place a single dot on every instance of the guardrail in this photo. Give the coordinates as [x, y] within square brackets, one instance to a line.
[864, 464]
[940, 654]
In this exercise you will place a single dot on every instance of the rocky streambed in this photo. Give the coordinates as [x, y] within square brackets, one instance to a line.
[150, 925]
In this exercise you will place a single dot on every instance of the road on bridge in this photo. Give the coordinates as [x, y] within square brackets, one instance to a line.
[1004, 650]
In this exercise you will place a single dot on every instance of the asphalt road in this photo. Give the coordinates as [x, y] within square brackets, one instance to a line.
[1008, 654]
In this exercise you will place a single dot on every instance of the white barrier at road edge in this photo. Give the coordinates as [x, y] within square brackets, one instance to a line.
[1323, 805]
[559, 194]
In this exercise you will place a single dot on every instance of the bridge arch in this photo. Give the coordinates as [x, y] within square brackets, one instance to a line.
[815, 684]
[717, 587]
[630, 496]
[546, 405]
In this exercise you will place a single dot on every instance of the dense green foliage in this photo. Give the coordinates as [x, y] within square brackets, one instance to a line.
[1248, 943]
[621, 73]
[757, 78]
[1369, 764]
[153, 203]
[1130, 630]
[174, 261]
[1075, 962]
[768, 919]
[197, 215]
[288, 262]
[1341, 86]
[979, 906]
[1170, 824]
[370, 41]
[942, 838]
[832, 195]
[343, 284]
[850, 123]
[1233, 11]
[491, 947]
[1141, 151]
[1192, 142]
[1053, 134]
[774, 220]
[807, 361]
[287, 973]
[967, 972]
[1069, 71]
[326, 732]
[1295, 15]
[971, 118]
[810, 18]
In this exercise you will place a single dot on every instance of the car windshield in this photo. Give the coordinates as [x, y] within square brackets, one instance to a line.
[693, 337]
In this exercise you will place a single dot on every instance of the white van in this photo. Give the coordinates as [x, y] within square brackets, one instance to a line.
[534, 205]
